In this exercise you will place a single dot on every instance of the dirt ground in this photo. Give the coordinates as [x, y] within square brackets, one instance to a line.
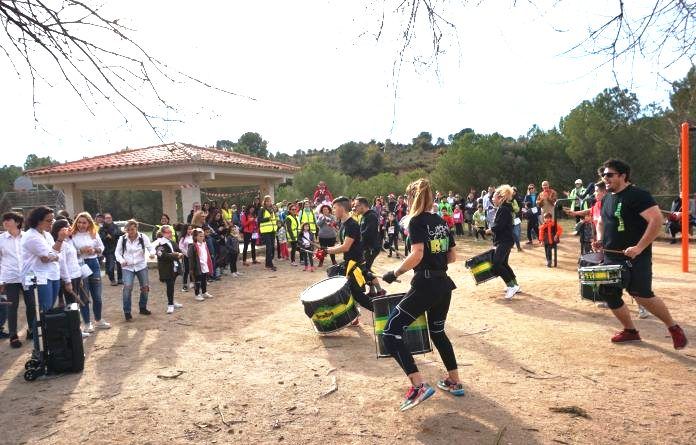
[253, 371]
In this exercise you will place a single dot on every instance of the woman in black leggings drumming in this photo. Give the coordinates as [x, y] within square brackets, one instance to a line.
[503, 238]
[431, 291]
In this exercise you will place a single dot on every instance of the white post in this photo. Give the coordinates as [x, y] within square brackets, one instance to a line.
[169, 204]
[267, 188]
[189, 195]
[74, 202]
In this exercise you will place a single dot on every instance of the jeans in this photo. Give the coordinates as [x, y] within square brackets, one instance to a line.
[268, 240]
[13, 291]
[3, 316]
[47, 293]
[128, 280]
[94, 286]
[532, 228]
[516, 232]
[110, 264]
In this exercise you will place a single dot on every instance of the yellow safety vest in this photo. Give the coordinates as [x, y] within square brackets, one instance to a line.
[270, 225]
[308, 217]
[294, 226]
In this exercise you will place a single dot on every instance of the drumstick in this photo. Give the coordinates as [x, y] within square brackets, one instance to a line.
[620, 252]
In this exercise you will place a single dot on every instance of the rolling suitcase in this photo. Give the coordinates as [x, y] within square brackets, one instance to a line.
[60, 343]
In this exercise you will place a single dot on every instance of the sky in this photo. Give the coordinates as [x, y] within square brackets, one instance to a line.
[320, 78]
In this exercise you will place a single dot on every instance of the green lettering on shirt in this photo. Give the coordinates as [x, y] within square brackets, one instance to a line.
[618, 216]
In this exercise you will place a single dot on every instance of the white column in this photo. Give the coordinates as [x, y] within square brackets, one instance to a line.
[189, 195]
[74, 202]
[267, 188]
[169, 204]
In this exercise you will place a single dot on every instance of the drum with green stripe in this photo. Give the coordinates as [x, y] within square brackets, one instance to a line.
[481, 267]
[329, 304]
[416, 336]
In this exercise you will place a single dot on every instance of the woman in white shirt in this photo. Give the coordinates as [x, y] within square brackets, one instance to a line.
[40, 253]
[11, 275]
[85, 238]
[132, 252]
[71, 273]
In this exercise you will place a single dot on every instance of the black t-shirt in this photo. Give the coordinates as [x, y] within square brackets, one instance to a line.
[623, 225]
[432, 231]
[351, 229]
[369, 230]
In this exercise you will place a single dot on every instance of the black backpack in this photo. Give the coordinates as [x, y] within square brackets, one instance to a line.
[124, 239]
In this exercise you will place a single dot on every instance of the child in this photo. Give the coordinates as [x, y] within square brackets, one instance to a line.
[307, 252]
[585, 229]
[407, 239]
[201, 264]
[529, 212]
[282, 236]
[458, 217]
[550, 234]
[448, 219]
[393, 234]
[232, 244]
[480, 223]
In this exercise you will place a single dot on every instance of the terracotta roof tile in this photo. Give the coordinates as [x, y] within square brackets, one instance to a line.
[167, 154]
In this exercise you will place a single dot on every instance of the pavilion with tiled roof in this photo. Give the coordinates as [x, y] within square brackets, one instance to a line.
[168, 168]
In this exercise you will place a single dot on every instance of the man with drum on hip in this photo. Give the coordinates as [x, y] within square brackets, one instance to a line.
[631, 221]
[349, 239]
[369, 240]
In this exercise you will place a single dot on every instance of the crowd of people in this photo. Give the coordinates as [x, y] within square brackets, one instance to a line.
[60, 258]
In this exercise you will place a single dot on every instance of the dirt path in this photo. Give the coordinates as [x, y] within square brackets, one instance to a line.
[253, 371]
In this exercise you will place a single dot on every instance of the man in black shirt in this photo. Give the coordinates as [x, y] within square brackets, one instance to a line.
[349, 239]
[631, 221]
[369, 240]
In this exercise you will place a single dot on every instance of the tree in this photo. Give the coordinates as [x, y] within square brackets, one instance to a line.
[252, 144]
[34, 161]
[352, 158]
[224, 144]
[8, 174]
[424, 141]
[94, 55]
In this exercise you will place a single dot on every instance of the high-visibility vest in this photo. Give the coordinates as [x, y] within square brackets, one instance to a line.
[270, 225]
[294, 226]
[307, 216]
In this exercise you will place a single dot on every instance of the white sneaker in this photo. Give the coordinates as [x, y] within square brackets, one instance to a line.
[511, 291]
[603, 305]
[184, 289]
[199, 297]
[85, 334]
[89, 328]
[170, 309]
[101, 324]
[236, 274]
[178, 305]
[642, 312]
[207, 295]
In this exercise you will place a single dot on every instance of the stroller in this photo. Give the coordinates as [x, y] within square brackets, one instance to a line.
[59, 340]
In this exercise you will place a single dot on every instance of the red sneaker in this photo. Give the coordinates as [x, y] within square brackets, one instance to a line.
[678, 337]
[625, 336]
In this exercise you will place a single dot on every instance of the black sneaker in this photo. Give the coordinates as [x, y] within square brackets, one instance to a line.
[119, 282]
[128, 316]
[4, 334]
[144, 311]
[114, 283]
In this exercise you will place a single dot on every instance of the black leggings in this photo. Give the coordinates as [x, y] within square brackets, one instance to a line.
[480, 231]
[326, 243]
[247, 241]
[307, 258]
[170, 290]
[232, 258]
[416, 302]
[501, 255]
[201, 284]
[532, 228]
[186, 270]
[459, 229]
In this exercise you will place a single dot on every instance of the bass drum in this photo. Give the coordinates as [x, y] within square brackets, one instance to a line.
[329, 305]
[481, 267]
[416, 336]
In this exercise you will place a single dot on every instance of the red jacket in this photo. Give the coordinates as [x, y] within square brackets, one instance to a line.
[248, 224]
[549, 231]
[448, 219]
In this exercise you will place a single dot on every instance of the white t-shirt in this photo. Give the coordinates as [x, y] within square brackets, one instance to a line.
[85, 239]
[10, 258]
[203, 256]
[69, 264]
[34, 246]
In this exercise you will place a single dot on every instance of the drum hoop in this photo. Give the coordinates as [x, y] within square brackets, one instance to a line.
[321, 281]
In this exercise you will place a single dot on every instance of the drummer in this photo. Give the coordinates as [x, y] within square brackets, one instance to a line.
[631, 221]
[431, 291]
[353, 261]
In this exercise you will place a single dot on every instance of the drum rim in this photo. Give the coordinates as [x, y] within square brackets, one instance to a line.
[321, 281]
[385, 297]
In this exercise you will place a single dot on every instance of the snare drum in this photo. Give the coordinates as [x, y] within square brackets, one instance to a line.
[416, 336]
[329, 304]
[337, 270]
[602, 274]
[481, 267]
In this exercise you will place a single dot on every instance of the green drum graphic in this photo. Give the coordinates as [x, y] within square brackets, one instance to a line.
[416, 337]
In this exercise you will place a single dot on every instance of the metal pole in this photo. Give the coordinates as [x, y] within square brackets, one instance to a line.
[685, 195]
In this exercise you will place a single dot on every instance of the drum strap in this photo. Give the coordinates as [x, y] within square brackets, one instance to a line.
[353, 269]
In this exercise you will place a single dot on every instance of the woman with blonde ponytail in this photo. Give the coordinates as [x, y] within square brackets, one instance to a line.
[431, 292]
[503, 238]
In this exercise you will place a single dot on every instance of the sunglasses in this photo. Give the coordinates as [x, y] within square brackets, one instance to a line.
[608, 175]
